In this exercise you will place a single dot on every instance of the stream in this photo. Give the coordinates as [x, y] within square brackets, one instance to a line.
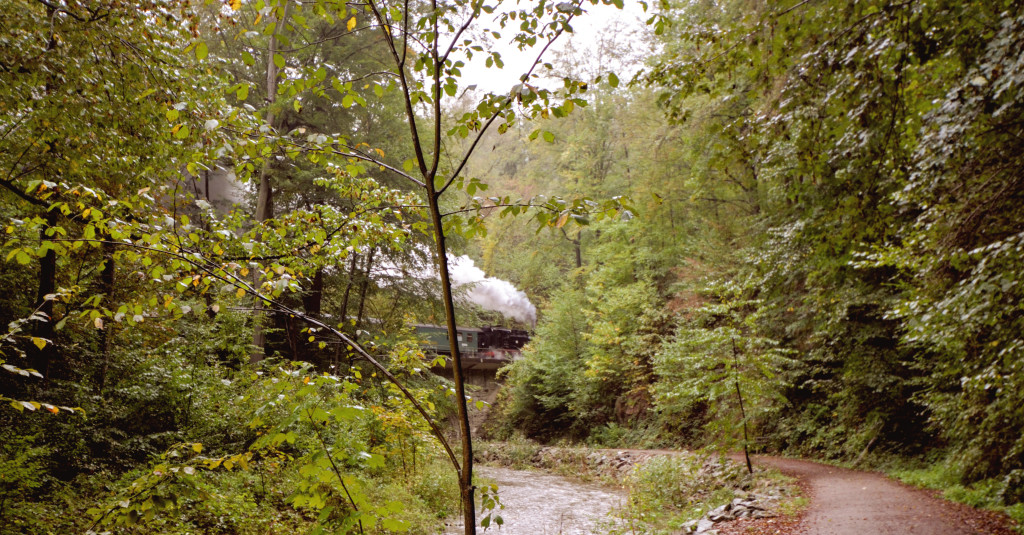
[543, 504]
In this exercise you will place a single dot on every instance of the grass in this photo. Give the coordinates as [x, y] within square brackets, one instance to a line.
[668, 492]
[984, 494]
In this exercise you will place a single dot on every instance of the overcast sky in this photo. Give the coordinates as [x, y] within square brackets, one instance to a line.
[600, 23]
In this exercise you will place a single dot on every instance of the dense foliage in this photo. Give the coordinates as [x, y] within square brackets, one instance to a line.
[195, 194]
[798, 228]
[833, 236]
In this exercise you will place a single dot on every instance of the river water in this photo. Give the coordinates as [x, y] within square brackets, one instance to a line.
[543, 504]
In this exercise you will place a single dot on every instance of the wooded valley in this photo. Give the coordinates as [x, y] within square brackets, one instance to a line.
[793, 227]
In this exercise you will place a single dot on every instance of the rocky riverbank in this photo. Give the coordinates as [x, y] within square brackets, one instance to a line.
[682, 492]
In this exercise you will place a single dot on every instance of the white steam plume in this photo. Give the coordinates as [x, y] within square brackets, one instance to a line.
[492, 293]
[488, 292]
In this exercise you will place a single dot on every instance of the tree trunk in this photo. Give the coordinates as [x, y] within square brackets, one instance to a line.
[348, 288]
[42, 358]
[265, 197]
[107, 278]
[312, 302]
[743, 412]
[466, 471]
[362, 290]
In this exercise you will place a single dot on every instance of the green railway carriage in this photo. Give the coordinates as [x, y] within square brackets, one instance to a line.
[481, 348]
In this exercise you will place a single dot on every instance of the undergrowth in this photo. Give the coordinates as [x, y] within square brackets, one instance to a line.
[997, 494]
[668, 492]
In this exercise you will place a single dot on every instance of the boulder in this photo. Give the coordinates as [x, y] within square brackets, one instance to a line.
[704, 525]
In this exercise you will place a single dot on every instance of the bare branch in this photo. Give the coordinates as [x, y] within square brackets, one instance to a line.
[508, 101]
[406, 92]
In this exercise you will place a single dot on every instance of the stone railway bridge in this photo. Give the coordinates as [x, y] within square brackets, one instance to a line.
[484, 350]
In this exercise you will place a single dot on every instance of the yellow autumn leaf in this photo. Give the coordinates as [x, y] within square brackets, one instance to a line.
[236, 4]
[240, 292]
[197, 447]
[351, 24]
[39, 342]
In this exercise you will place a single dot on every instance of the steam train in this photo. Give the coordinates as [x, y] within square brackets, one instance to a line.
[481, 348]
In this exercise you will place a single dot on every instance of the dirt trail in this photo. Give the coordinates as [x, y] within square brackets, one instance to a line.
[857, 503]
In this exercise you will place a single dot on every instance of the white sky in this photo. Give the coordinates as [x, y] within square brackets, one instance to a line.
[608, 23]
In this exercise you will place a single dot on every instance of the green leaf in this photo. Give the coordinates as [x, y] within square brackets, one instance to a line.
[375, 461]
[613, 80]
[549, 137]
[202, 51]
[393, 524]
[279, 61]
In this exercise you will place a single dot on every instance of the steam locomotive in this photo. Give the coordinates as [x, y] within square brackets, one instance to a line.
[484, 347]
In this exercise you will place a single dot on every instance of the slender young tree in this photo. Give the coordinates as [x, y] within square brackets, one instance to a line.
[265, 193]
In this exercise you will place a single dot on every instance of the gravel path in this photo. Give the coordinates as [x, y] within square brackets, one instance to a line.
[850, 502]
